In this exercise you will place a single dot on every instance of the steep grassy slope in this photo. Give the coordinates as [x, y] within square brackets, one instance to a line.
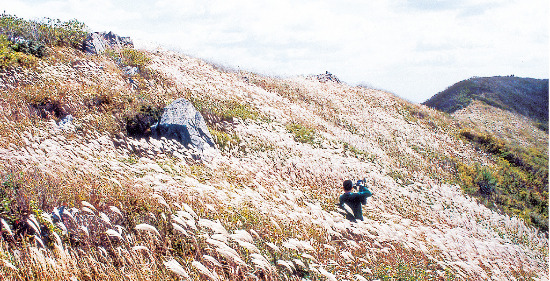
[518, 183]
[525, 96]
[261, 207]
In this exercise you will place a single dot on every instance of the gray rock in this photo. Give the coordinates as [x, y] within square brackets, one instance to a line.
[130, 70]
[183, 123]
[99, 42]
[18, 40]
[66, 123]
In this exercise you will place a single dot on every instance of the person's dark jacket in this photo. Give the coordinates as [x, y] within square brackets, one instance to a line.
[354, 200]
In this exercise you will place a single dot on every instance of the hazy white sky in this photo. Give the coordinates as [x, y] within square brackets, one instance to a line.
[411, 48]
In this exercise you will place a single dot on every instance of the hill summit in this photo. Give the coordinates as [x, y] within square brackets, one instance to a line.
[526, 96]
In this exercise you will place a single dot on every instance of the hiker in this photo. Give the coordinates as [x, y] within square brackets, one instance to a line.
[354, 199]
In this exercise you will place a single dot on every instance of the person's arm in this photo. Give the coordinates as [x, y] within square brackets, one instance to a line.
[364, 191]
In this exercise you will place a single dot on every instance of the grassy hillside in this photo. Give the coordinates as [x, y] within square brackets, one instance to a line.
[261, 206]
[525, 96]
[506, 117]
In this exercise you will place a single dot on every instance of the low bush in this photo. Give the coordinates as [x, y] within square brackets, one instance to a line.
[9, 194]
[530, 160]
[52, 32]
[135, 58]
[139, 123]
[10, 57]
[30, 47]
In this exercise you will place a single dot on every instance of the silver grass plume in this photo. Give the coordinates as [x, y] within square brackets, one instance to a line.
[327, 274]
[212, 260]
[147, 227]
[179, 229]
[203, 270]
[7, 227]
[86, 204]
[175, 267]
[114, 233]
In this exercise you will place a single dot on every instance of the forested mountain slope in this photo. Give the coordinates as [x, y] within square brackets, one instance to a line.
[525, 96]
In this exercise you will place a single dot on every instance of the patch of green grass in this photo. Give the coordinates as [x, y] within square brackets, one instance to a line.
[400, 178]
[357, 153]
[135, 58]
[129, 57]
[215, 111]
[130, 160]
[200, 172]
[348, 126]
[303, 134]
[224, 140]
[403, 271]
[9, 190]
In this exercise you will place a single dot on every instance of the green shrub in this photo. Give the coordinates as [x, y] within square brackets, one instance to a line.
[30, 47]
[135, 58]
[139, 124]
[9, 191]
[129, 57]
[52, 32]
[486, 182]
[517, 184]
[9, 57]
[357, 153]
[508, 188]
[530, 160]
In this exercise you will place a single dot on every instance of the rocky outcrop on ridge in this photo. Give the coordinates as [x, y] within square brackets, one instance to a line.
[99, 42]
[327, 77]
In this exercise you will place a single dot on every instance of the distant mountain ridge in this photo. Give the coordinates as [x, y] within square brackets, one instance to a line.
[526, 96]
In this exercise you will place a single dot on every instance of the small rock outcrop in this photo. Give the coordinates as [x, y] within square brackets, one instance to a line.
[327, 77]
[182, 122]
[98, 42]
